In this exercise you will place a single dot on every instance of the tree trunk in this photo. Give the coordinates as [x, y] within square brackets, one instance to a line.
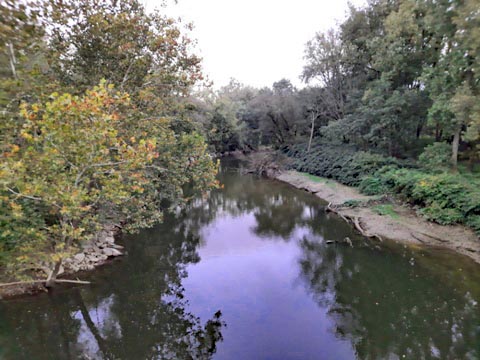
[102, 344]
[455, 144]
[12, 59]
[438, 133]
[311, 132]
[52, 278]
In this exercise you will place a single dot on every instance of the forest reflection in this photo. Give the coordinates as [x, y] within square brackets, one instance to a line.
[135, 310]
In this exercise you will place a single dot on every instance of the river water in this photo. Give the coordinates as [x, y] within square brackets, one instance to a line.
[247, 274]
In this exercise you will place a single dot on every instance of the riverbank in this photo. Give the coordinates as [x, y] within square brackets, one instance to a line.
[384, 218]
[97, 252]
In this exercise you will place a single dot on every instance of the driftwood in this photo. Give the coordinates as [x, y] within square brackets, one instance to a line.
[433, 237]
[331, 209]
[355, 220]
[416, 237]
[23, 283]
[31, 282]
[73, 281]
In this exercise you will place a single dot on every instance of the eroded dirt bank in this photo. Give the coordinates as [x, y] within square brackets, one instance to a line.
[399, 223]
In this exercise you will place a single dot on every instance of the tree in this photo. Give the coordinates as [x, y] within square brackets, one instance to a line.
[279, 113]
[75, 168]
[145, 54]
[324, 55]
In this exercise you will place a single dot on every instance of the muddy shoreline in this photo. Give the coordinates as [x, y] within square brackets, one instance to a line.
[400, 224]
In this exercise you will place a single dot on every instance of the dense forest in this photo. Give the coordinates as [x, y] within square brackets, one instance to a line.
[106, 117]
[392, 104]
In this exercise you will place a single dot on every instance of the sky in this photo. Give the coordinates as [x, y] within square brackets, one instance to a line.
[257, 42]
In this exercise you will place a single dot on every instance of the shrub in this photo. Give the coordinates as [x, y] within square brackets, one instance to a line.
[444, 198]
[372, 185]
[337, 161]
[436, 156]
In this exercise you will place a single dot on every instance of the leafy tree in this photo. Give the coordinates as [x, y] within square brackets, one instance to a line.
[325, 59]
[74, 168]
[145, 54]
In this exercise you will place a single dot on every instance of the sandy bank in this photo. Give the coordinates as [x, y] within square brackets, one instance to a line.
[399, 222]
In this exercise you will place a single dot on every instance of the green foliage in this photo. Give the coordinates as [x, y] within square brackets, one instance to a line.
[386, 210]
[74, 168]
[372, 185]
[146, 54]
[444, 198]
[336, 161]
[74, 161]
[435, 156]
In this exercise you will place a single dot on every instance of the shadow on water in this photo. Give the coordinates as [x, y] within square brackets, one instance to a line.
[246, 273]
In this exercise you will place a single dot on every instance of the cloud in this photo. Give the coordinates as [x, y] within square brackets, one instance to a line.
[256, 41]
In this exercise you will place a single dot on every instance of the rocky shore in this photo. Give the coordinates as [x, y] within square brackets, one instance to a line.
[96, 252]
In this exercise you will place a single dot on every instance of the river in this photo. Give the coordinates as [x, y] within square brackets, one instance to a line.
[246, 273]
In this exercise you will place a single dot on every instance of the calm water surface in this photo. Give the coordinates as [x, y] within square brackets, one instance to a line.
[246, 274]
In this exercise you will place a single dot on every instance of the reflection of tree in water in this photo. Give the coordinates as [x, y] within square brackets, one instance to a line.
[277, 213]
[136, 311]
[388, 309]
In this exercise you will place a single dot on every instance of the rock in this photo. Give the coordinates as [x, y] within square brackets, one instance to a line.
[329, 242]
[109, 239]
[61, 270]
[102, 257]
[112, 252]
[92, 258]
[79, 257]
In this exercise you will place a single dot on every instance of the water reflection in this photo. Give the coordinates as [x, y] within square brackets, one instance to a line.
[395, 314]
[135, 310]
[253, 255]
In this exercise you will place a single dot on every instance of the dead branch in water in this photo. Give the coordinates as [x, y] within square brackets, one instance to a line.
[23, 283]
[32, 282]
[355, 220]
[331, 209]
[73, 281]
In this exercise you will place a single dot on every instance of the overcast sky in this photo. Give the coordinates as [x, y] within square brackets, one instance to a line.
[256, 41]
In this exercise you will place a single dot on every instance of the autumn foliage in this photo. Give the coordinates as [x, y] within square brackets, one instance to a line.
[85, 144]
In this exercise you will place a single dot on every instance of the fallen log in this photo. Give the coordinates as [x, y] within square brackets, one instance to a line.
[356, 221]
[31, 282]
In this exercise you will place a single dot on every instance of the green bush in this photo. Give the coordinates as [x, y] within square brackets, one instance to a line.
[444, 198]
[474, 222]
[436, 156]
[341, 162]
[372, 185]
[441, 197]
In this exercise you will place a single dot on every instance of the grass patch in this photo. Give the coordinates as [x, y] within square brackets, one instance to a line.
[314, 178]
[386, 209]
[319, 180]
